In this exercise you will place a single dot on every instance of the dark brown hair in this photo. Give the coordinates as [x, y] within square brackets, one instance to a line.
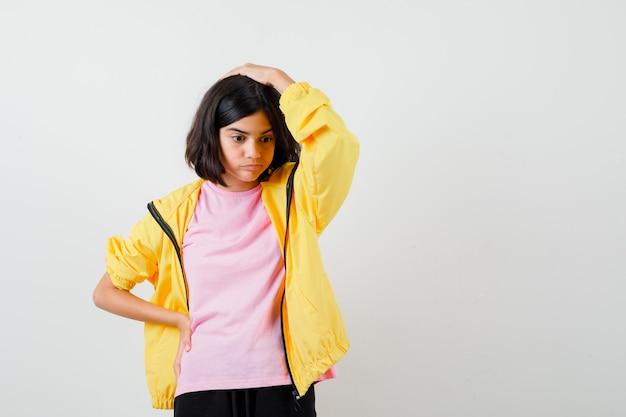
[227, 101]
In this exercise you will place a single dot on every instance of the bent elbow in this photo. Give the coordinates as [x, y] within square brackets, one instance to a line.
[102, 292]
[97, 297]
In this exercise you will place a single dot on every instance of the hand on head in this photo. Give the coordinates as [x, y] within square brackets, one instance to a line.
[265, 75]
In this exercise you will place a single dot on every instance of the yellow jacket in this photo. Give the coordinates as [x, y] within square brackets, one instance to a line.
[313, 329]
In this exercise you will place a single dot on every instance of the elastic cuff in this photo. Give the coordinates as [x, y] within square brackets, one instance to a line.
[294, 91]
[121, 283]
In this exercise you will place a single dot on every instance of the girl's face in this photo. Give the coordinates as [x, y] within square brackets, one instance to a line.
[247, 150]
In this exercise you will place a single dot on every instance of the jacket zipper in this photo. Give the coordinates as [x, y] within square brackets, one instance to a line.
[289, 189]
[170, 234]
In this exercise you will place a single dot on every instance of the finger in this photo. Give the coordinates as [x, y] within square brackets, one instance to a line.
[187, 341]
[231, 73]
[240, 70]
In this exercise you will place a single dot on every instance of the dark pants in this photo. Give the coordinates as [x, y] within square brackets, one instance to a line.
[253, 402]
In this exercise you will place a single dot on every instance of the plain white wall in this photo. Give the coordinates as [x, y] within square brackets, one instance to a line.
[479, 259]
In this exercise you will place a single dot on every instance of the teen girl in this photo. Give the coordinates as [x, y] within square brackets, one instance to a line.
[242, 321]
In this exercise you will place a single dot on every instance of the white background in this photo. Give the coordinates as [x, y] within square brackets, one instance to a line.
[479, 260]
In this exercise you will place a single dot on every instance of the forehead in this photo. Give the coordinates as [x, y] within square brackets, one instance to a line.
[256, 123]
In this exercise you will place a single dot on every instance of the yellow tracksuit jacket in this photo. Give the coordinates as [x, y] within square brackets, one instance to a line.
[313, 329]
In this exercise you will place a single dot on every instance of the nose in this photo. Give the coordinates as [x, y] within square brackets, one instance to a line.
[252, 149]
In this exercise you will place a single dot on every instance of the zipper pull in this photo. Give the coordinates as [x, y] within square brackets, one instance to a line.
[296, 400]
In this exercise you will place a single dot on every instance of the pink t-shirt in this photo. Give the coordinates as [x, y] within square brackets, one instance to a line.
[234, 270]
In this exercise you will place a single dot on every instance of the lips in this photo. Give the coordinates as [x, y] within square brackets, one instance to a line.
[253, 167]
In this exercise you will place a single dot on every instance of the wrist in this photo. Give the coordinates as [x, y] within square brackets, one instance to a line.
[184, 321]
[282, 81]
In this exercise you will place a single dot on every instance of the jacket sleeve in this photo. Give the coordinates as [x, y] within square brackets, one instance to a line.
[328, 156]
[133, 260]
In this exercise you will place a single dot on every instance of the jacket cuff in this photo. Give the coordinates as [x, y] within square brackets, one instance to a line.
[293, 92]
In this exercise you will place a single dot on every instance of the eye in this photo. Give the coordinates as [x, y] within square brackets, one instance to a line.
[238, 138]
[267, 139]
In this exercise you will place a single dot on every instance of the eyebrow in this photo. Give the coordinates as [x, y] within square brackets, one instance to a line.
[234, 129]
